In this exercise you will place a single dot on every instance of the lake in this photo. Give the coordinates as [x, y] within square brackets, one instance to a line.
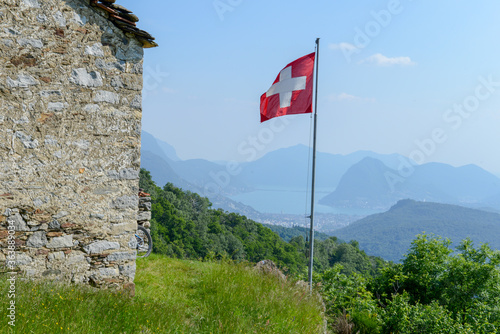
[293, 201]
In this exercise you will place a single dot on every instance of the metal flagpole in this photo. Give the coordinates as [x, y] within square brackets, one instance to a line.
[311, 233]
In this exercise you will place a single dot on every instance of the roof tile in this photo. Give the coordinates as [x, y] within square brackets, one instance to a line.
[125, 20]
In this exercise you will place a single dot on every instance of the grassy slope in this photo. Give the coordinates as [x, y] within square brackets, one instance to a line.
[172, 296]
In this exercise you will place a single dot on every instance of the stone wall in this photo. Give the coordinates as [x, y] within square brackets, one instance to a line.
[70, 119]
[144, 216]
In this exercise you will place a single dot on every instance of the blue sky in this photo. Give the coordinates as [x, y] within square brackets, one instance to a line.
[419, 78]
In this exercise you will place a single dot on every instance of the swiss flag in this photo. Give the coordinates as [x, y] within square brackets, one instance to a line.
[291, 92]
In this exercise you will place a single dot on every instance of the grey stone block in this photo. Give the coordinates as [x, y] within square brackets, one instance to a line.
[18, 222]
[132, 53]
[92, 107]
[144, 215]
[128, 270]
[108, 272]
[81, 77]
[136, 102]
[22, 81]
[31, 3]
[36, 43]
[122, 256]
[146, 206]
[94, 50]
[101, 246]
[37, 240]
[76, 258]
[126, 202]
[59, 18]
[61, 242]
[54, 225]
[111, 65]
[105, 96]
[23, 259]
[56, 256]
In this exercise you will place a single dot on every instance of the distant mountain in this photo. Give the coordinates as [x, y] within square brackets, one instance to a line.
[371, 184]
[390, 234]
[363, 179]
[164, 170]
[206, 176]
[161, 171]
[158, 147]
[492, 202]
[168, 149]
[288, 167]
[468, 184]
[150, 143]
[210, 177]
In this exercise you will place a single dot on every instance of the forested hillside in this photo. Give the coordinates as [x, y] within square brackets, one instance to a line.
[287, 233]
[185, 226]
[434, 289]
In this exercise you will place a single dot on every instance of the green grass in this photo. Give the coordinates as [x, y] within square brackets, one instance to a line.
[172, 296]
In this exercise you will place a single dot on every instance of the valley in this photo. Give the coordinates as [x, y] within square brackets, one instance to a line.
[382, 201]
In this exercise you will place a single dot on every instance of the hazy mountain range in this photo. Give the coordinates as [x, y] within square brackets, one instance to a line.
[370, 183]
[165, 166]
[288, 167]
[389, 234]
[361, 179]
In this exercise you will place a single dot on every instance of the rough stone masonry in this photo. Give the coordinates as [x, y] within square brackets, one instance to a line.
[70, 121]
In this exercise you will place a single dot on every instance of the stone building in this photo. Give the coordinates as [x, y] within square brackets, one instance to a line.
[70, 124]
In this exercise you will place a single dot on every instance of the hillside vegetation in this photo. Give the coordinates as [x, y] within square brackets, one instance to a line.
[207, 284]
[434, 290]
[288, 233]
[389, 235]
[172, 296]
[185, 226]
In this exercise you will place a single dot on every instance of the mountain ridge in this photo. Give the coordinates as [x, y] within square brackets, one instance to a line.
[389, 234]
[372, 184]
[377, 186]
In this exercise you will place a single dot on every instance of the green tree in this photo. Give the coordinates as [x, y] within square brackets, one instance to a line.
[464, 283]
[425, 267]
[403, 317]
[347, 299]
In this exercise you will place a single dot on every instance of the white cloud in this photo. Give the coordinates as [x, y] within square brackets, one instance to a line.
[347, 49]
[349, 97]
[381, 60]
[342, 46]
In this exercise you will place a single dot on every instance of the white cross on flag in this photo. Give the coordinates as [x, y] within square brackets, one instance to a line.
[291, 92]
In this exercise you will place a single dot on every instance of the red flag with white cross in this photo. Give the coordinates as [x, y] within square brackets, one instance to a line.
[291, 92]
